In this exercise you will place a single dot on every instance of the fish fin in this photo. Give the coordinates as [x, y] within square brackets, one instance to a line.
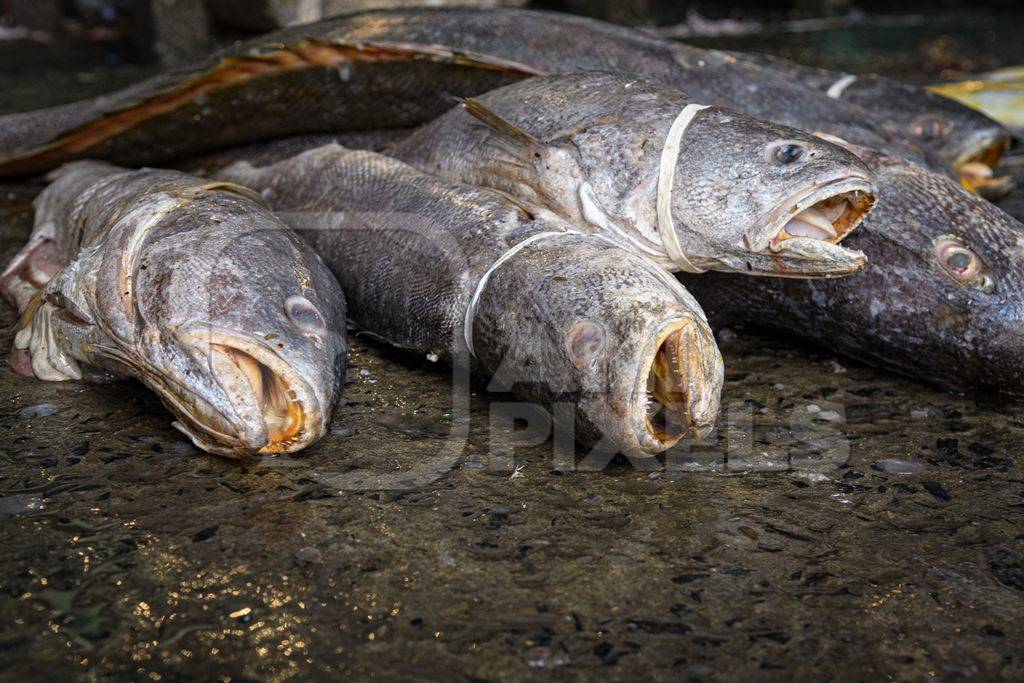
[508, 131]
[235, 188]
[24, 318]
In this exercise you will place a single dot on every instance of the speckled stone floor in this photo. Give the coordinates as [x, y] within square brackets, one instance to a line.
[846, 523]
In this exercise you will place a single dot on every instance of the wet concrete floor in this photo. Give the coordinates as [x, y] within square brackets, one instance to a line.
[847, 523]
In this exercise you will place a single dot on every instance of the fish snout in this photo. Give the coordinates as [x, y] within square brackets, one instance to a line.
[252, 403]
[681, 385]
[800, 236]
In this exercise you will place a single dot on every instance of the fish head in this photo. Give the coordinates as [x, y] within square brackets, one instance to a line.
[943, 293]
[642, 350]
[949, 135]
[754, 197]
[257, 331]
[198, 291]
[609, 331]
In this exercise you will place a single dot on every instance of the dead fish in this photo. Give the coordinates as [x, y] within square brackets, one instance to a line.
[444, 269]
[286, 83]
[950, 134]
[693, 187]
[941, 299]
[193, 288]
[396, 68]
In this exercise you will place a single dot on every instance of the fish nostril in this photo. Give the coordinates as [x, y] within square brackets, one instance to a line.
[305, 316]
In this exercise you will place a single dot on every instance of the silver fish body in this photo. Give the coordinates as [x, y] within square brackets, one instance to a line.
[696, 188]
[193, 288]
[444, 269]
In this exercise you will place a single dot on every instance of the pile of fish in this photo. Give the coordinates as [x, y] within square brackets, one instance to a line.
[543, 196]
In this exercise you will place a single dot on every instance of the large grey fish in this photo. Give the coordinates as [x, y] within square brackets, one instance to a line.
[695, 188]
[443, 269]
[942, 296]
[949, 133]
[190, 286]
[395, 68]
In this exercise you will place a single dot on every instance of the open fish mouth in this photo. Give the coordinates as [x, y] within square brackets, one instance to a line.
[827, 213]
[976, 169]
[278, 403]
[269, 408]
[680, 385]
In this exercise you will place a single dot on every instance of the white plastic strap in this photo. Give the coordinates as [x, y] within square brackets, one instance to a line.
[666, 179]
[467, 328]
[667, 278]
[835, 90]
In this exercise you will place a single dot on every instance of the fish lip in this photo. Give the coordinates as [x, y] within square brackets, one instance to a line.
[698, 426]
[201, 340]
[775, 221]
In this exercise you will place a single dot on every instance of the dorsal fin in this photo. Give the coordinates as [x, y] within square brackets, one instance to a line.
[499, 124]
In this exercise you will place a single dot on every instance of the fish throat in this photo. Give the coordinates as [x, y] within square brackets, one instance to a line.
[668, 390]
[282, 412]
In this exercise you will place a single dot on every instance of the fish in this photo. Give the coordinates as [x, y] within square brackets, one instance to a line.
[950, 134]
[194, 288]
[941, 298]
[391, 69]
[693, 187]
[455, 272]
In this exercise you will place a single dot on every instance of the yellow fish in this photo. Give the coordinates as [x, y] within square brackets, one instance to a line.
[999, 94]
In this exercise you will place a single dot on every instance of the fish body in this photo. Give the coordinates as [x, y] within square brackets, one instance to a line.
[949, 134]
[381, 69]
[444, 270]
[696, 188]
[941, 298]
[190, 286]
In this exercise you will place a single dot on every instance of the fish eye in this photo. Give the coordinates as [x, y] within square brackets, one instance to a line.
[928, 127]
[785, 153]
[961, 263]
[304, 315]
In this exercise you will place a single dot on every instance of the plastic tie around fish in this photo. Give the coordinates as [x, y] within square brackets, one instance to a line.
[835, 91]
[672, 284]
[467, 328]
[666, 179]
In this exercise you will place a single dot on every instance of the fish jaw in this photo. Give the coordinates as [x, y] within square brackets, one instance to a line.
[975, 166]
[677, 391]
[800, 237]
[798, 257]
[256, 403]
